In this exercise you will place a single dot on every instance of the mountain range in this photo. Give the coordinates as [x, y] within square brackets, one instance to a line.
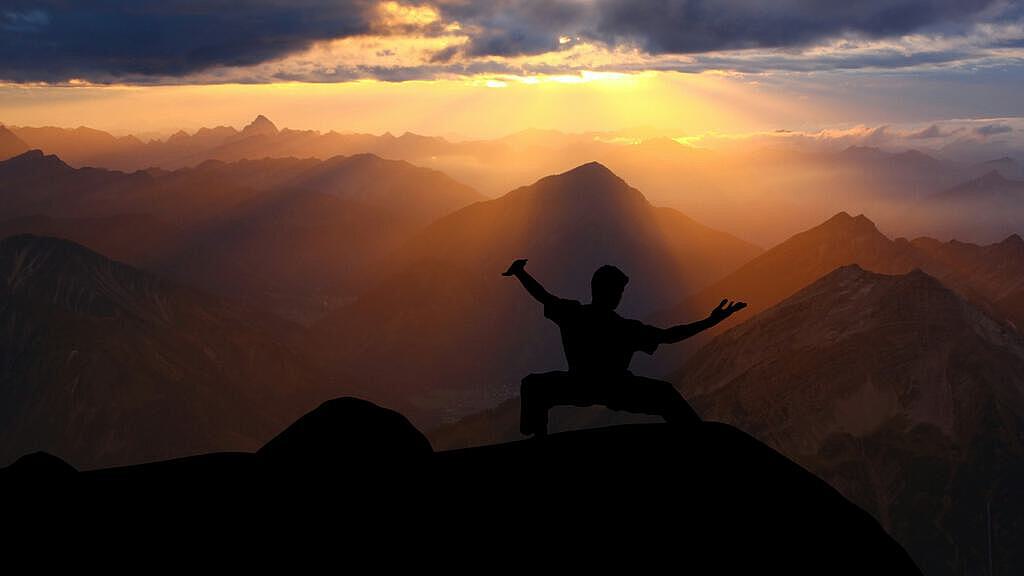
[889, 367]
[106, 365]
[991, 276]
[446, 311]
[985, 208]
[759, 193]
[287, 234]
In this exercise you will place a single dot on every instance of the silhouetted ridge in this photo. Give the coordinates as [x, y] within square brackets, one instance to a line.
[36, 159]
[737, 505]
[346, 431]
[39, 466]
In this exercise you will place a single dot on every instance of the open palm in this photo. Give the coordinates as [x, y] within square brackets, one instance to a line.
[727, 308]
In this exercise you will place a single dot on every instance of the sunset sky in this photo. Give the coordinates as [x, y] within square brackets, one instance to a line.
[470, 68]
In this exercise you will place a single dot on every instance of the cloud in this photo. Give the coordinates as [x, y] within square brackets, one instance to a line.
[517, 27]
[932, 131]
[15, 21]
[196, 41]
[956, 139]
[695, 26]
[53, 40]
[993, 129]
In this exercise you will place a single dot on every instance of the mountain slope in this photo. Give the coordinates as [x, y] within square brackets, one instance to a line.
[896, 390]
[795, 263]
[10, 144]
[444, 309]
[983, 274]
[103, 364]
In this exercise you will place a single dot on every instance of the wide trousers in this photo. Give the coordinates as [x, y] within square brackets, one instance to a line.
[626, 392]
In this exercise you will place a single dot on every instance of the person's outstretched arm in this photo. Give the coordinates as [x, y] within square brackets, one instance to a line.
[683, 331]
[518, 269]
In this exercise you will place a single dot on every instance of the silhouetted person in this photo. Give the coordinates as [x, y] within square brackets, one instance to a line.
[599, 345]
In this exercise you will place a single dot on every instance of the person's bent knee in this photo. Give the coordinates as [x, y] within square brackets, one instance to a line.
[543, 378]
[530, 381]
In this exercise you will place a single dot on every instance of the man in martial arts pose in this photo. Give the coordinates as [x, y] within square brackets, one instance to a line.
[599, 345]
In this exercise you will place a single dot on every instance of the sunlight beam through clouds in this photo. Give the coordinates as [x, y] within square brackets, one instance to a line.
[444, 66]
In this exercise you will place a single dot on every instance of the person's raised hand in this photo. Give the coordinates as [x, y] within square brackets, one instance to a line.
[726, 308]
[515, 268]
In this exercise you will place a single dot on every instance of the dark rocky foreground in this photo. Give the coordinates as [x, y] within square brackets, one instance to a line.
[706, 499]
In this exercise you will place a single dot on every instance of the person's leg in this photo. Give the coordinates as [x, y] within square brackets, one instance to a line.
[649, 396]
[535, 396]
[540, 392]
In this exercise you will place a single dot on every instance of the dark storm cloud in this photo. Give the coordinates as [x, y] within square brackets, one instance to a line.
[693, 26]
[515, 27]
[105, 40]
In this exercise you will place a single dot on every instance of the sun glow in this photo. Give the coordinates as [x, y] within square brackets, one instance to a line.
[688, 104]
[395, 14]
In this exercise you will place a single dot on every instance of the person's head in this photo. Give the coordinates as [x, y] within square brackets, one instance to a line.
[606, 286]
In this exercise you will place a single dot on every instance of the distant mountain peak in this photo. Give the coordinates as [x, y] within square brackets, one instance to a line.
[1013, 240]
[261, 125]
[862, 152]
[913, 153]
[36, 156]
[844, 221]
[591, 168]
[991, 178]
[1002, 160]
[592, 179]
